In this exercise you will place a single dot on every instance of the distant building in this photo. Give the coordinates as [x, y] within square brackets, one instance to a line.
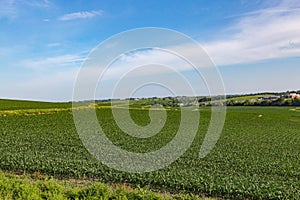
[294, 95]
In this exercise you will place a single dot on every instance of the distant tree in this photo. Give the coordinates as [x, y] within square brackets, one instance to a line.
[288, 102]
[230, 103]
[249, 103]
[296, 102]
[266, 103]
[204, 99]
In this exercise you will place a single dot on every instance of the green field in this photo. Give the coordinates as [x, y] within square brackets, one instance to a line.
[256, 157]
[6, 104]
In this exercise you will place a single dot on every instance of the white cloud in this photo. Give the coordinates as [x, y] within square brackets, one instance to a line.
[81, 15]
[270, 33]
[55, 75]
[127, 63]
[52, 62]
[264, 34]
[131, 62]
[139, 67]
[56, 86]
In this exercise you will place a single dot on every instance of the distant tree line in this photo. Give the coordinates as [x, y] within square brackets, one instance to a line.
[259, 99]
[279, 102]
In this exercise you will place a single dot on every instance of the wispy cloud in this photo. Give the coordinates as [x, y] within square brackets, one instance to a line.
[81, 15]
[5, 51]
[166, 60]
[8, 9]
[56, 44]
[264, 34]
[270, 33]
[59, 86]
[68, 60]
[38, 3]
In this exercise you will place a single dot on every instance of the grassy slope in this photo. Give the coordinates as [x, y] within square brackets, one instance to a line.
[6, 104]
[250, 97]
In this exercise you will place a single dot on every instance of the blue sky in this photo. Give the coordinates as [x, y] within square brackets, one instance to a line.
[254, 44]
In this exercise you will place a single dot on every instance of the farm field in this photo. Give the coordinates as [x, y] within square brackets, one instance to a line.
[256, 157]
